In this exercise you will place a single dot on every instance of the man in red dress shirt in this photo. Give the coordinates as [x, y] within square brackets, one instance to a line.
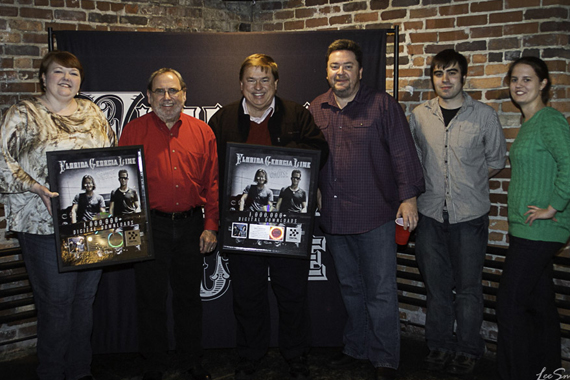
[182, 175]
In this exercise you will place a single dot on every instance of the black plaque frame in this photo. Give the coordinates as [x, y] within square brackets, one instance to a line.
[268, 231]
[105, 239]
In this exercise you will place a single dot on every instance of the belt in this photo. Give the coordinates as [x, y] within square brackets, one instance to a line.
[176, 215]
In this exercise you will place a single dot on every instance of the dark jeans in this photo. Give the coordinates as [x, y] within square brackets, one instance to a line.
[178, 264]
[451, 258]
[366, 268]
[289, 278]
[529, 325]
[64, 302]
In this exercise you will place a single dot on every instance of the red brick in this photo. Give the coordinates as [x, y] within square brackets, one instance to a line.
[317, 22]
[41, 3]
[8, 11]
[305, 12]
[311, 3]
[413, 25]
[415, 49]
[132, 8]
[545, 13]
[355, 6]
[545, 40]
[379, 4]
[366, 17]
[423, 13]
[502, 18]
[452, 10]
[440, 23]
[87, 4]
[487, 6]
[40, 13]
[456, 35]
[294, 4]
[523, 28]
[284, 15]
[486, 32]
[69, 15]
[103, 6]
[521, 3]
[472, 20]
[294, 25]
[72, 3]
[475, 71]
[393, 15]
[57, 3]
[504, 43]
[344, 19]
[17, 87]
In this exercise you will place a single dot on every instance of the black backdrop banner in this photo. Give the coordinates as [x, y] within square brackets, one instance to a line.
[117, 67]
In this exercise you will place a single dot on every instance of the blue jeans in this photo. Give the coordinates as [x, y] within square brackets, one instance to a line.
[366, 267]
[529, 325]
[64, 302]
[451, 258]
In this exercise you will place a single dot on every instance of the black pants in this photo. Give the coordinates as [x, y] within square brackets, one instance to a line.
[529, 325]
[179, 264]
[289, 277]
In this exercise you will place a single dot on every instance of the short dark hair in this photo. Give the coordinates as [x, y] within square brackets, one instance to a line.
[262, 172]
[296, 171]
[123, 171]
[541, 71]
[163, 71]
[64, 58]
[344, 44]
[265, 62]
[447, 58]
[85, 178]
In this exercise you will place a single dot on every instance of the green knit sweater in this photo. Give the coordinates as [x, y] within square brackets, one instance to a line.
[540, 161]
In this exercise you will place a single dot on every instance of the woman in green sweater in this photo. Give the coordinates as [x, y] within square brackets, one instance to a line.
[539, 226]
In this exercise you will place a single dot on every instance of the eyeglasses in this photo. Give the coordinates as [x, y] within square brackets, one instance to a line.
[162, 91]
[296, 178]
[123, 177]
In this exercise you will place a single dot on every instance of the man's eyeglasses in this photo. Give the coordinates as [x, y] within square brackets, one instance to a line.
[162, 91]
[123, 177]
[296, 178]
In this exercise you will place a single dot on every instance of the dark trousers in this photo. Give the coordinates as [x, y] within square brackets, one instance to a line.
[529, 325]
[451, 259]
[178, 263]
[64, 302]
[289, 277]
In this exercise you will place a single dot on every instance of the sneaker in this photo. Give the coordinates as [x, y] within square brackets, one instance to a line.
[461, 365]
[437, 360]
[298, 368]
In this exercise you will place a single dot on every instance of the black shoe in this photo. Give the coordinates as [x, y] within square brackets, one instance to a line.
[461, 365]
[199, 373]
[342, 360]
[437, 360]
[385, 373]
[152, 375]
[245, 369]
[298, 368]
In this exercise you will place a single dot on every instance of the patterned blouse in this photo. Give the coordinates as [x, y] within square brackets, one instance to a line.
[28, 131]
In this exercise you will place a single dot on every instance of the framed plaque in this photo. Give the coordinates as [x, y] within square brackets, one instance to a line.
[269, 200]
[101, 216]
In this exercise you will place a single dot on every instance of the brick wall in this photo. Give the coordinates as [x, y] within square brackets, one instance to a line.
[490, 33]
